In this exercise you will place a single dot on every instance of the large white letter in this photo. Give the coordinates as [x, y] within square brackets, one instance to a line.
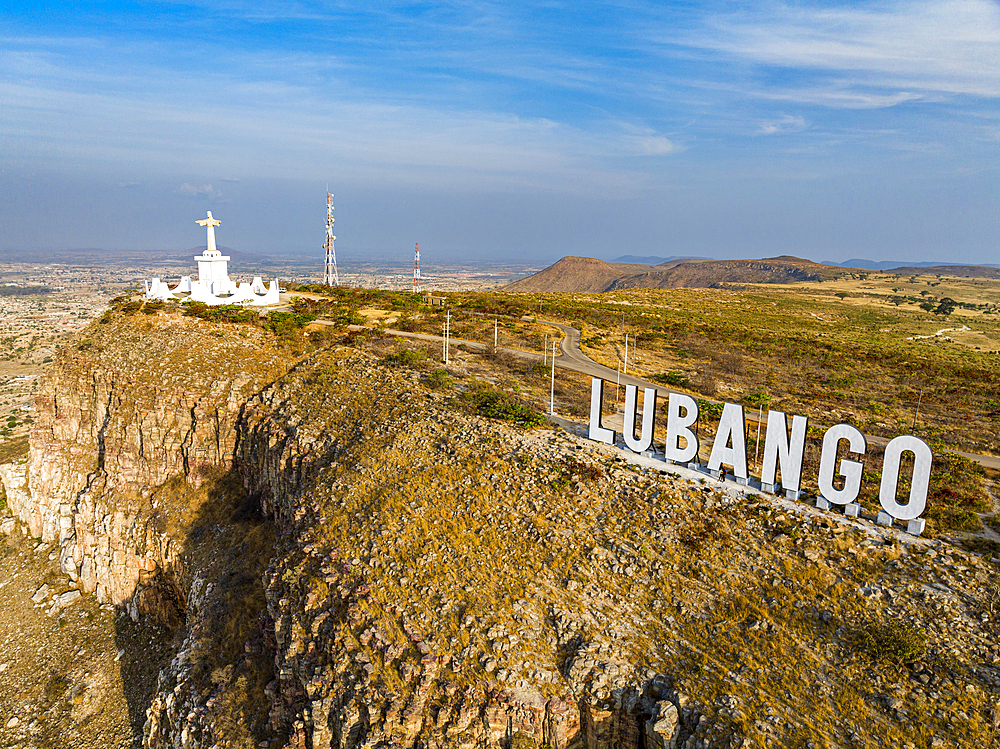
[731, 426]
[648, 410]
[850, 469]
[777, 447]
[918, 485]
[597, 432]
[677, 426]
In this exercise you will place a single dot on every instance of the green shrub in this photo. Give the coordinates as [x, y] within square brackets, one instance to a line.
[673, 378]
[757, 397]
[708, 408]
[957, 481]
[496, 404]
[951, 519]
[287, 324]
[228, 313]
[404, 358]
[439, 380]
[892, 641]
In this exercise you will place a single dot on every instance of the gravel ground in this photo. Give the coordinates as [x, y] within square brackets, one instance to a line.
[62, 680]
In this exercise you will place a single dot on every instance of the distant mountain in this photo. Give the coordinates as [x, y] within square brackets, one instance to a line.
[894, 264]
[578, 274]
[584, 274]
[962, 271]
[652, 259]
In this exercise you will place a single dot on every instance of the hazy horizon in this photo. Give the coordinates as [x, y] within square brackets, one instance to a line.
[505, 134]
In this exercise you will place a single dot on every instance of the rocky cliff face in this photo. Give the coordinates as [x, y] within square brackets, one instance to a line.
[140, 400]
[356, 662]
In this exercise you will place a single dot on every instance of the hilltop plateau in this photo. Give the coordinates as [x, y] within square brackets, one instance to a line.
[333, 541]
[584, 274]
[580, 274]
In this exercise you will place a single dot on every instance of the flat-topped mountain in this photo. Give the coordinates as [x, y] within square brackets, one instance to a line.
[581, 274]
[963, 271]
[587, 274]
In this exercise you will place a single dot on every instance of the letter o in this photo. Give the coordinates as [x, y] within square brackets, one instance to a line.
[922, 458]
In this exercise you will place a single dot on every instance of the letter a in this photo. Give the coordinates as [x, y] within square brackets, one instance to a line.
[597, 432]
[731, 426]
[648, 409]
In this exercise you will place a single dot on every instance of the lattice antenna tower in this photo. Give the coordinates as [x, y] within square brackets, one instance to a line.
[416, 268]
[330, 275]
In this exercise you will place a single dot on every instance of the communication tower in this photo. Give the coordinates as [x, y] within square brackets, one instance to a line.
[416, 268]
[330, 276]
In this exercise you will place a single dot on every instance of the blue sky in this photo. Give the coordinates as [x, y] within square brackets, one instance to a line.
[505, 131]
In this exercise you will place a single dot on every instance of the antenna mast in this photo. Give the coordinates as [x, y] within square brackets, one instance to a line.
[416, 268]
[330, 276]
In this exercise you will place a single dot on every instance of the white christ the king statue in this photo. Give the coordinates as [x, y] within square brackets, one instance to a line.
[210, 223]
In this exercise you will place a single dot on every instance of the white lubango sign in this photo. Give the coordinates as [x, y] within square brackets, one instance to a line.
[783, 452]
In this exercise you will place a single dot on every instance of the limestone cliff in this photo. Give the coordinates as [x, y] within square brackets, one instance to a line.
[137, 401]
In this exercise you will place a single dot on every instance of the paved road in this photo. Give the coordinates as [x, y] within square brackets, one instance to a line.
[573, 358]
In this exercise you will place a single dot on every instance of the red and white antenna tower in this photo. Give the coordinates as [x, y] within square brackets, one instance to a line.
[330, 276]
[416, 268]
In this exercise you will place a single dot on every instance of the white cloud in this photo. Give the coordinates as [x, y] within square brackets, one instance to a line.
[655, 145]
[786, 124]
[204, 191]
[879, 55]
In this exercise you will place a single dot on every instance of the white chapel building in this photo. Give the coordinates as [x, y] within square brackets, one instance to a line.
[214, 285]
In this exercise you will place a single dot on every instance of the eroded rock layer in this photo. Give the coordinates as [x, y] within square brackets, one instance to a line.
[137, 402]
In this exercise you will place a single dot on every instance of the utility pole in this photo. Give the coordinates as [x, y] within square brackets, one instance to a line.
[917, 410]
[625, 368]
[552, 385]
[447, 337]
[495, 339]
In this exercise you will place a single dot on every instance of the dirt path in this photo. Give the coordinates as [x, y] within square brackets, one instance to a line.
[940, 332]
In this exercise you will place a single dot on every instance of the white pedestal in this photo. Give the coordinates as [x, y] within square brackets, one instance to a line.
[852, 510]
[792, 494]
[769, 488]
[915, 527]
[742, 481]
[822, 503]
[884, 518]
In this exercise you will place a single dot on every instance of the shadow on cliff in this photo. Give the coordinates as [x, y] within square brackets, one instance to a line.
[211, 612]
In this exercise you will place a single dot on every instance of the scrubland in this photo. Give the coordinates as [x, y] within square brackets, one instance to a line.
[457, 524]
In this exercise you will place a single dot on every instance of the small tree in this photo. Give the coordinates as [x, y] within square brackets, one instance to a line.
[946, 307]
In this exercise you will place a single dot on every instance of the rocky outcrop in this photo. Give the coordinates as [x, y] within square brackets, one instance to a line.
[139, 401]
[354, 668]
